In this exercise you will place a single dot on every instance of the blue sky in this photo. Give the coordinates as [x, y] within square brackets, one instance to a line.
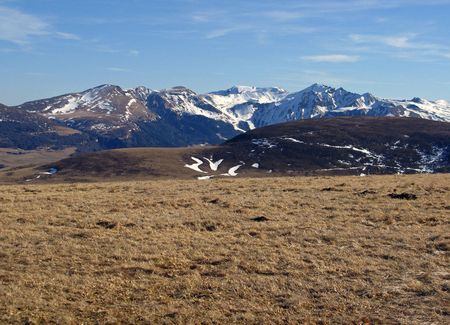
[392, 48]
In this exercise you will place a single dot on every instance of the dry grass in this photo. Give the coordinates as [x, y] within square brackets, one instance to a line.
[332, 250]
[18, 158]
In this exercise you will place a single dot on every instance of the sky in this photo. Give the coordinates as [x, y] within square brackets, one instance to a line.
[391, 48]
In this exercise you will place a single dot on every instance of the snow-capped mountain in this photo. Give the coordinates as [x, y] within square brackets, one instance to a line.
[225, 99]
[233, 106]
[103, 101]
[319, 101]
[178, 116]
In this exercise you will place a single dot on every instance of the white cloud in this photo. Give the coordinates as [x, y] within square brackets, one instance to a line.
[18, 27]
[400, 42]
[68, 36]
[221, 32]
[117, 69]
[332, 58]
[21, 28]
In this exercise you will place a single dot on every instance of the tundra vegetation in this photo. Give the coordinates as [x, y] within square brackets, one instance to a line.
[231, 251]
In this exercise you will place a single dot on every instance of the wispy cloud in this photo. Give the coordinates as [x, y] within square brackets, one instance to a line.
[332, 58]
[404, 46]
[263, 21]
[21, 28]
[68, 36]
[323, 7]
[117, 69]
[222, 32]
[401, 42]
[18, 27]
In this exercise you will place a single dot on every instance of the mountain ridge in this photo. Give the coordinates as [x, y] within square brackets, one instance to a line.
[114, 117]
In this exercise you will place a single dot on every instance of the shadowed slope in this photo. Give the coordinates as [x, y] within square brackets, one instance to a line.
[340, 146]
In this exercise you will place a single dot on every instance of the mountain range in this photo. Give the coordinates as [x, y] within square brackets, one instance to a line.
[109, 116]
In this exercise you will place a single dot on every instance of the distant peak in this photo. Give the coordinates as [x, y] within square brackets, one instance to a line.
[417, 100]
[103, 89]
[180, 90]
[442, 102]
[105, 86]
[238, 90]
[316, 87]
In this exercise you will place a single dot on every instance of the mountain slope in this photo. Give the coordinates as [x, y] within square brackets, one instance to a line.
[24, 130]
[340, 146]
[348, 145]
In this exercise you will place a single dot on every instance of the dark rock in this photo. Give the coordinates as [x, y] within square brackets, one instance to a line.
[403, 196]
[260, 219]
[106, 224]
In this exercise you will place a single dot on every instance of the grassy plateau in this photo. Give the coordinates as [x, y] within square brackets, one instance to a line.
[292, 250]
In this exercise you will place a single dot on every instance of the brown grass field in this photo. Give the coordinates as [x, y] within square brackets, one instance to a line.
[324, 250]
[13, 158]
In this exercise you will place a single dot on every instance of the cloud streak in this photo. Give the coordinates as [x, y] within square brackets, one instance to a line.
[400, 42]
[21, 28]
[117, 69]
[332, 58]
[402, 46]
[18, 27]
[68, 36]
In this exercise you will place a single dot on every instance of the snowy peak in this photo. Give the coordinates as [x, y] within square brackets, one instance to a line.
[141, 93]
[238, 95]
[322, 95]
[267, 94]
[101, 102]
[239, 90]
[442, 102]
[180, 90]
[181, 100]
[319, 88]
[316, 101]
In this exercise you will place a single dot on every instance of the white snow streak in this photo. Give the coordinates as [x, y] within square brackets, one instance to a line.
[213, 165]
[196, 165]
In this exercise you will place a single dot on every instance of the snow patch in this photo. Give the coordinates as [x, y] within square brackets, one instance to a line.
[232, 171]
[293, 140]
[196, 165]
[213, 165]
[265, 143]
[202, 178]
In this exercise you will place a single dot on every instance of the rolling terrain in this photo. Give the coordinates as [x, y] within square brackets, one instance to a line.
[299, 250]
[338, 146]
